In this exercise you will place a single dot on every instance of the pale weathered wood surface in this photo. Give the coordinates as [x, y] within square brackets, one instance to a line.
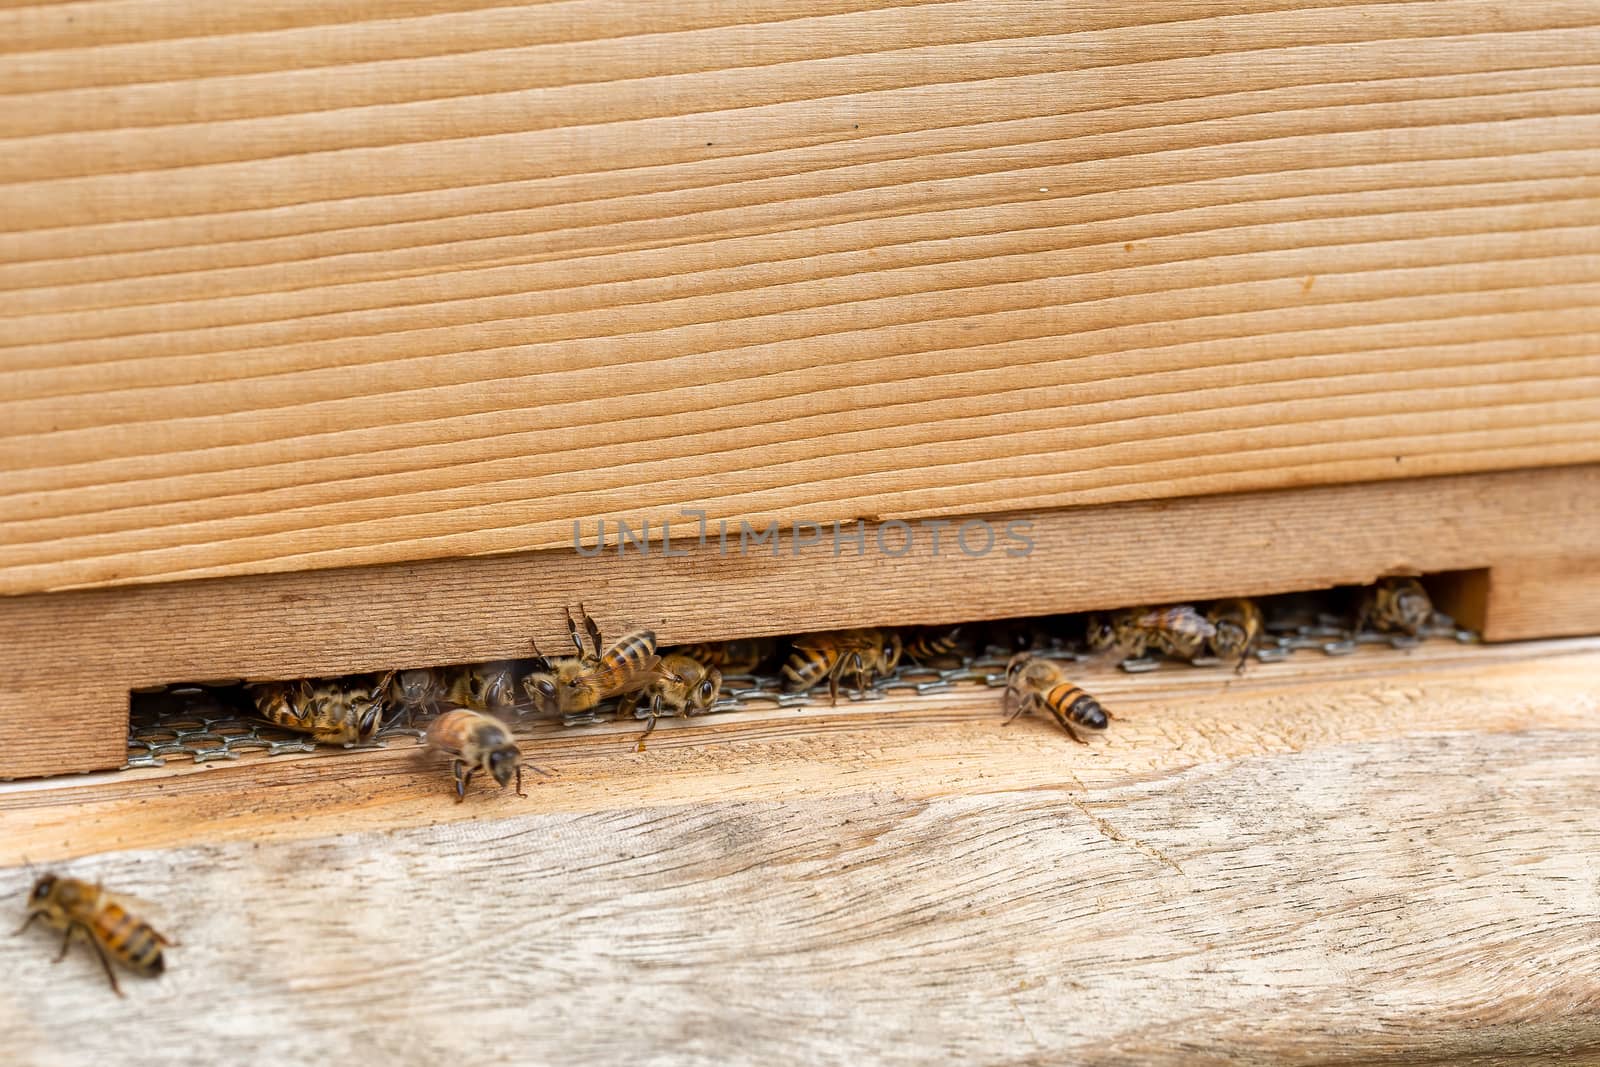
[1383, 857]
[63, 688]
[289, 285]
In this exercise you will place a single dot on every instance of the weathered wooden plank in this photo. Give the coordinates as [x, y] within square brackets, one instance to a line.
[78, 653]
[303, 288]
[1388, 857]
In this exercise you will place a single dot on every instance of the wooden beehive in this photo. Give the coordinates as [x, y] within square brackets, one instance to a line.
[294, 311]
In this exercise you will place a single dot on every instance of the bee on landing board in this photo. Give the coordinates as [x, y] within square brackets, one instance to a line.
[333, 711]
[1238, 630]
[740, 656]
[91, 914]
[1395, 606]
[477, 742]
[863, 653]
[574, 684]
[1035, 682]
[686, 687]
[1177, 630]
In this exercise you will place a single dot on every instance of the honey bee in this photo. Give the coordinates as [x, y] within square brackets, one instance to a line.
[1036, 682]
[332, 710]
[573, 684]
[88, 912]
[417, 690]
[1395, 605]
[1238, 629]
[477, 742]
[925, 644]
[1177, 630]
[687, 687]
[483, 686]
[865, 653]
[742, 656]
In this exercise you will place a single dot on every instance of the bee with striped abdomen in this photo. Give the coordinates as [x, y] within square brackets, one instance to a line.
[927, 644]
[573, 684]
[88, 912]
[1395, 606]
[1036, 682]
[685, 687]
[1238, 630]
[741, 656]
[333, 711]
[476, 742]
[864, 653]
[1177, 630]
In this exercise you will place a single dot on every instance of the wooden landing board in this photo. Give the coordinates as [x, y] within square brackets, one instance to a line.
[1383, 857]
[305, 287]
[63, 689]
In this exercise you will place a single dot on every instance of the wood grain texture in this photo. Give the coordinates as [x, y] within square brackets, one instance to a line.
[296, 287]
[1389, 857]
[63, 690]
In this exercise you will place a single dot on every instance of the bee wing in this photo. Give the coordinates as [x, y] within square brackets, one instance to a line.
[614, 679]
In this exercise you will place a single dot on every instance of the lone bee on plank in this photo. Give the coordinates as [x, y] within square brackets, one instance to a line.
[1177, 630]
[477, 742]
[685, 687]
[333, 711]
[1238, 629]
[1035, 682]
[865, 653]
[1395, 606]
[578, 683]
[87, 912]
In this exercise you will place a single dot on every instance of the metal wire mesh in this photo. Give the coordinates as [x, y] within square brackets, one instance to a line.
[206, 723]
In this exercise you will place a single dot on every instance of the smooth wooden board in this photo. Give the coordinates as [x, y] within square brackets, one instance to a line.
[1390, 856]
[63, 691]
[302, 287]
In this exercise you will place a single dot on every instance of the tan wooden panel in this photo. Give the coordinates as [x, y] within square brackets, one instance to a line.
[290, 286]
[63, 687]
[1386, 857]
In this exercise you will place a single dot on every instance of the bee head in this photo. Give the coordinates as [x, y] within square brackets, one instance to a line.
[710, 686]
[503, 764]
[541, 690]
[1100, 633]
[42, 888]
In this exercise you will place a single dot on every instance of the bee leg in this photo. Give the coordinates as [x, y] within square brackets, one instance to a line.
[572, 630]
[66, 942]
[654, 710]
[456, 768]
[1013, 706]
[861, 674]
[520, 793]
[1067, 726]
[105, 961]
[833, 682]
[26, 923]
[594, 631]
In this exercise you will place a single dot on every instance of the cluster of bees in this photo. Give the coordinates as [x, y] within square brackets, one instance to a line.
[470, 707]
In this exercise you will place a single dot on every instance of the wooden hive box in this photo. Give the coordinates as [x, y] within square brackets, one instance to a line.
[340, 337]
[323, 344]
